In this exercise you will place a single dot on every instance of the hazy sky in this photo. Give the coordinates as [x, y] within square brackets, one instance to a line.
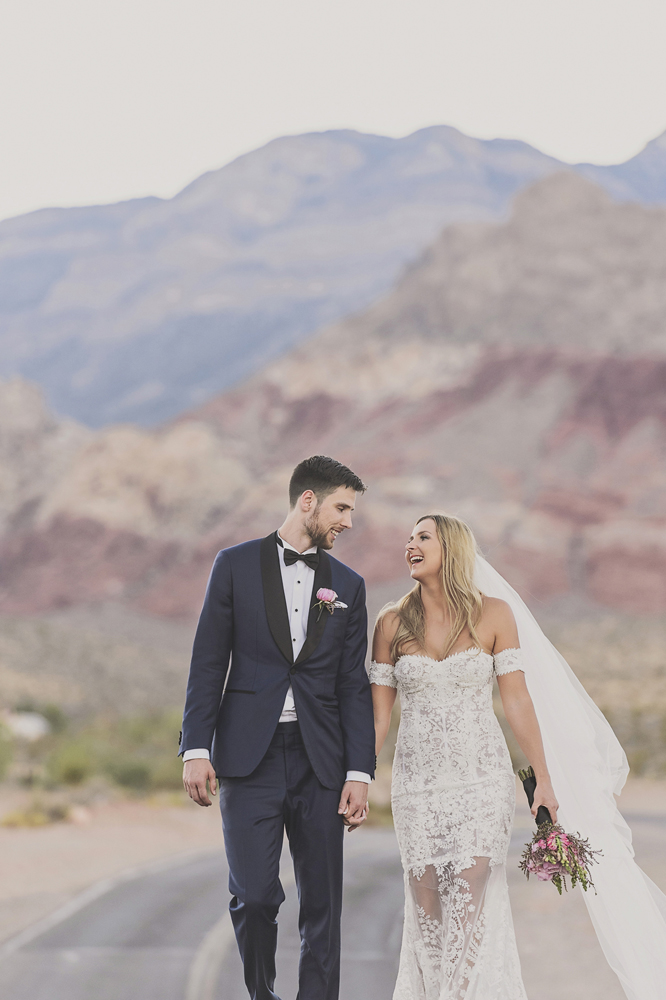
[111, 99]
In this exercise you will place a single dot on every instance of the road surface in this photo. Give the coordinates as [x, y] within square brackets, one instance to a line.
[164, 934]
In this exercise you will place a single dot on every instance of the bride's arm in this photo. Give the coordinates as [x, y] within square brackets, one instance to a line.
[383, 695]
[520, 714]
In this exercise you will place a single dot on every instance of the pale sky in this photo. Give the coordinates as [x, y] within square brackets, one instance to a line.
[104, 100]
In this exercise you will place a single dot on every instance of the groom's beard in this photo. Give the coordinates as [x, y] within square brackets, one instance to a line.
[317, 532]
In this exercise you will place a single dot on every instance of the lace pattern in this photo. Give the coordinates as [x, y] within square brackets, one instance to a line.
[508, 660]
[453, 794]
[383, 674]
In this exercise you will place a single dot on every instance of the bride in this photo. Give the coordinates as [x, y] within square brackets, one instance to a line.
[453, 789]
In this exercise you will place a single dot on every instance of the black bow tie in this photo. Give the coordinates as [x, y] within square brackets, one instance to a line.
[310, 559]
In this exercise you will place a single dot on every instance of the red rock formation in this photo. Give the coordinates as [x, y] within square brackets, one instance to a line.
[555, 452]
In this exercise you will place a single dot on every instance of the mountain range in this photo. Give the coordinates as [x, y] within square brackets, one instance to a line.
[141, 310]
[515, 374]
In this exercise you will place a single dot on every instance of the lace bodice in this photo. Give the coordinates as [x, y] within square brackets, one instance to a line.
[449, 737]
[504, 662]
[447, 714]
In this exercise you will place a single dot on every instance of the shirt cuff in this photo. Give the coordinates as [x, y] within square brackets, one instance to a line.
[359, 776]
[196, 755]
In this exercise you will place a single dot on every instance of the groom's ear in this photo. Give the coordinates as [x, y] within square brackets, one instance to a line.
[307, 501]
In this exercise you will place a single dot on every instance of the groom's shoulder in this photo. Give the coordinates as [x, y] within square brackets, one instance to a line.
[345, 572]
[239, 552]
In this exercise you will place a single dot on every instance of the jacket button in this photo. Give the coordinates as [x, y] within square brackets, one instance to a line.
[293, 670]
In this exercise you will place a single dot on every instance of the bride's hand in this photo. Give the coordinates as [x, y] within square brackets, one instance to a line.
[545, 796]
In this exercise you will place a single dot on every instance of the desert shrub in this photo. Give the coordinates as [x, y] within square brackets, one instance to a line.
[138, 753]
[52, 713]
[26, 705]
[129, 773]
[55, 717]
[149, 759]
[35, 814]
[5, 751]
[71, 763]
[642, 733]
[167, 774]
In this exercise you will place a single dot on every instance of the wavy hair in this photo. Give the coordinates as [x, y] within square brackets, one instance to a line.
[463, 598]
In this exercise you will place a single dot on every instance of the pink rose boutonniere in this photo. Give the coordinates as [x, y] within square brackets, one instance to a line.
[327, 599]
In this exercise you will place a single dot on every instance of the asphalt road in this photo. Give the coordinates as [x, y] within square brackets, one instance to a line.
[165, 933]
[135, 942]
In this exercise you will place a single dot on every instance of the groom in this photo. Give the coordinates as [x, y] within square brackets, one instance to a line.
[279, 710]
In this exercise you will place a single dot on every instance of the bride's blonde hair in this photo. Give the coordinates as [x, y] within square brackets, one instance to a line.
[463, 598]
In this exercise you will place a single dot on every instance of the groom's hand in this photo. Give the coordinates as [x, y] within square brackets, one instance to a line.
[354, 803]
[195, 775]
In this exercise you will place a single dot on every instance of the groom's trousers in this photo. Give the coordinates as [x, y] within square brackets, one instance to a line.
[283, 793]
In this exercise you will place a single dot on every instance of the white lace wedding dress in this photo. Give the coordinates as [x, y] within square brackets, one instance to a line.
[453, 797]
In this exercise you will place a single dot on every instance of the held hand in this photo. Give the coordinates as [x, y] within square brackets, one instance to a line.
[195, 775]
[354, 804]
[545, 796]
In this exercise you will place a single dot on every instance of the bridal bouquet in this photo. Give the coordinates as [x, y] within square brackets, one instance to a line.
[553, 854]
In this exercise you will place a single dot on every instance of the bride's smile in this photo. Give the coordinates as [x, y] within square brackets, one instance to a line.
[423, 553]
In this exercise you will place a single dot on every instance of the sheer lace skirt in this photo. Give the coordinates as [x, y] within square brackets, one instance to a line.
[458, 941]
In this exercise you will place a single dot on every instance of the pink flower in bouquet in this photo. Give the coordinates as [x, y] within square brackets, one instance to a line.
[329, 596]
[547, 870]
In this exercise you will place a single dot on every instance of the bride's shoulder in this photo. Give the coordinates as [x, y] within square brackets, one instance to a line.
[385, 630]
[387, 623]
[496, 610]
[498, 624]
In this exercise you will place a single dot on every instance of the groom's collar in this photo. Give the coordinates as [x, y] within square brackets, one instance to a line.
[285, 545]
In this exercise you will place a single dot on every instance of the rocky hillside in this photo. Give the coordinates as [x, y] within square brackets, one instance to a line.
[516, 375]
[141, 310]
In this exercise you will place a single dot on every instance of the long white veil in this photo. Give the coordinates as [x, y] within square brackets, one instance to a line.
[588, 766]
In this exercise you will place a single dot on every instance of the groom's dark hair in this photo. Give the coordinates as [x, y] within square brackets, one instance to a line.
[323, 476]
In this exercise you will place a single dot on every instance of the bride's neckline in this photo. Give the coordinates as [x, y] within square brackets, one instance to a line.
[423, 656]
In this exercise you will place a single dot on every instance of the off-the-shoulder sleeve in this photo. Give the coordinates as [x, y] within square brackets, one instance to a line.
[382, 673]
[508, 660]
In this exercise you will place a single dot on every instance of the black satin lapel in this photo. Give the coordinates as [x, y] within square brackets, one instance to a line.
[316, 621]
[276, 606]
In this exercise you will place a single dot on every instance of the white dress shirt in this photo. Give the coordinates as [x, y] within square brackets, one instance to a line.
[297, 582]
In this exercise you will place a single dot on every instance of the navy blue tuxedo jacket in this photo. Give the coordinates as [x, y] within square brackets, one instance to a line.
[243, 664]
